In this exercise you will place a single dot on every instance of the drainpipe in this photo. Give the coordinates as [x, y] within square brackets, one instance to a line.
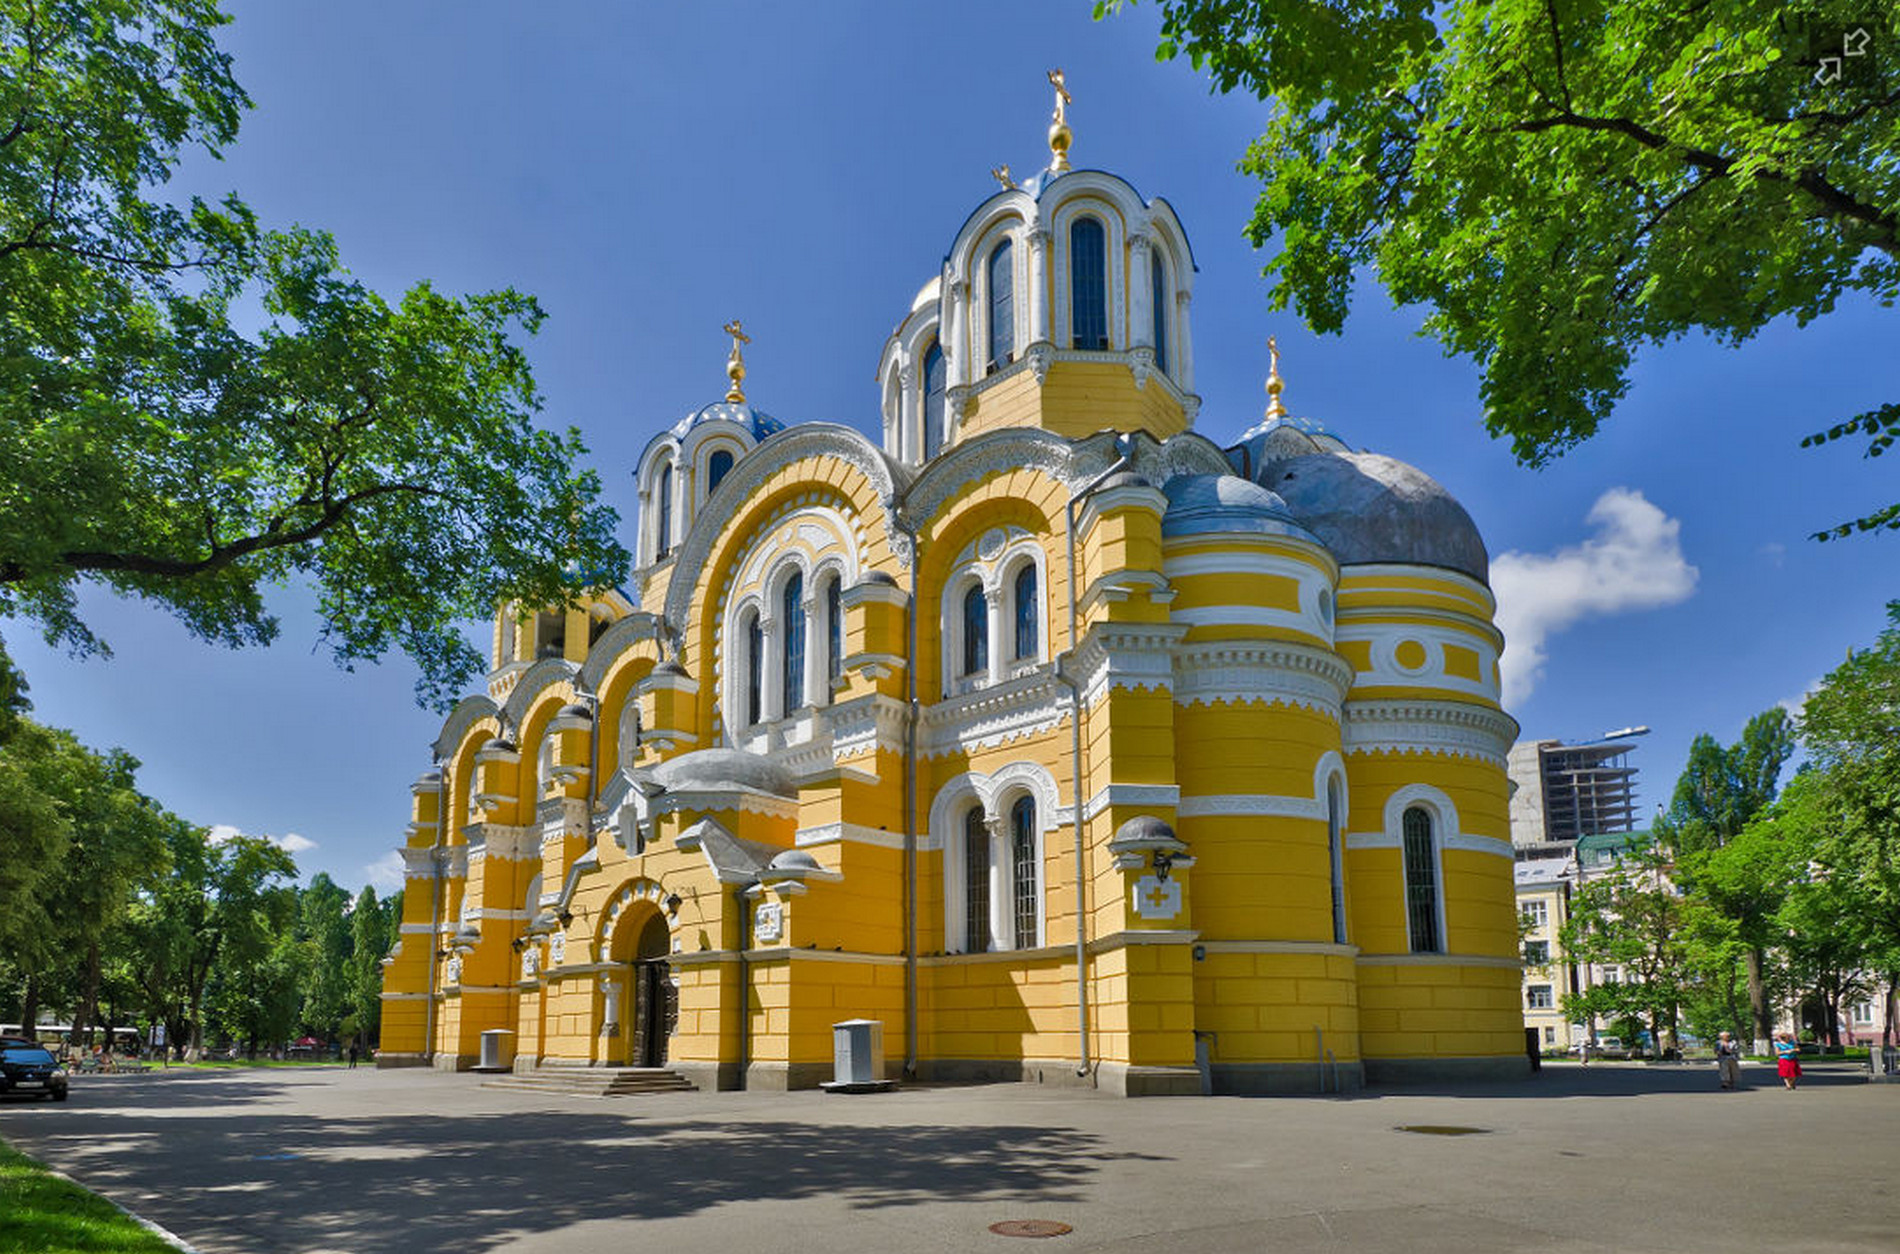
[1124, 447]
[745, 981]
[435, 897]
[901, 518]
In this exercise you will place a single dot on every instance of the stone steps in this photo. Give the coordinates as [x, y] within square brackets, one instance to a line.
[577, 1081]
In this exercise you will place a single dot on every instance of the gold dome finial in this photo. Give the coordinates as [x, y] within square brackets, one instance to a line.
[735, 363]
[1274, 386]
[1059, 135]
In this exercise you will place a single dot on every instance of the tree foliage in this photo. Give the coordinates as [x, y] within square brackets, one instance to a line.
[155, 444]
[1563, 182]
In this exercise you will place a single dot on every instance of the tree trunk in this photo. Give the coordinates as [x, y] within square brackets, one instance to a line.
[1755, 960]
[30, 1005]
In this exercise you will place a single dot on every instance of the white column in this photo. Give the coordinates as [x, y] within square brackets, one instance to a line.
[1141, 294]
[771, 674]
[1038, 285]
[999, 665]
[954, 320]
[817, 683]
[1183, 342]
[1000, 912]
[910, 405]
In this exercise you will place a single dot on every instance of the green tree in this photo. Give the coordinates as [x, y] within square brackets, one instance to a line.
[1560, 184]
[1722, 789]
[383, 451]
[369, 937]
[1632, 917]
[324, 925]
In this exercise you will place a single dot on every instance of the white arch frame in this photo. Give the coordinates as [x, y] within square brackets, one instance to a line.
[1328, 771]
[996, 576]
[1011, 228]
[993, 794]
[1444, 816]
[1115, 215]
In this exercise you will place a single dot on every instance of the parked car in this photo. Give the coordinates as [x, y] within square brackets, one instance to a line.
[28, 1069]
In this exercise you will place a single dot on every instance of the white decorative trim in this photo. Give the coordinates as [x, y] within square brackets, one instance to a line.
[1028, 705]
[1261, 670]
[404, 997]
[1453, 728]
[1145, 796]
[704, 800]
[1258, 804]
[847, 833]
[1383, 638]
[512, 844]
[1130, 656]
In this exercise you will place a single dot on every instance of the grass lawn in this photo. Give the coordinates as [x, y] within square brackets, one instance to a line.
[43, 1214]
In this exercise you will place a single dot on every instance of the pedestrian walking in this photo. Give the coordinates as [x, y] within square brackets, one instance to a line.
[1788, 1060]
[352, 1053]
[1728, 1061]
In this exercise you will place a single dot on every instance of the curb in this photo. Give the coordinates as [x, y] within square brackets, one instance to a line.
[162, 1233]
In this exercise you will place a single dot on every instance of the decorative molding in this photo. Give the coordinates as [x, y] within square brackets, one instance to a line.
[1029, 705]
[1145, 796]
[1261, 670]
[1132, 656]
[1452, 728]
[1256, 804]
[1279, 947]
[706, 800]
[847, 833]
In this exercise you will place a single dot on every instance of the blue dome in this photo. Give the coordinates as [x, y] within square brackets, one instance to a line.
[1213, 504]
[756, 421]
[1370, 508]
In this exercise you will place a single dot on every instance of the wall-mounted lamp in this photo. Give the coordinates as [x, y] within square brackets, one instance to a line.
[672, 905]
[518, 944]
[1164, 863]
[567, 917]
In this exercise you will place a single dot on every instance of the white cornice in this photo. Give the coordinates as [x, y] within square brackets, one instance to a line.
[1452, 728]
[1233, 671]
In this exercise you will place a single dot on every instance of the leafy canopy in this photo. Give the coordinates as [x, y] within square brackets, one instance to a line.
[1561, 182]
[155, 441]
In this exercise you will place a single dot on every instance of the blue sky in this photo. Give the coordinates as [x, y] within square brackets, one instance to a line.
[650, 171]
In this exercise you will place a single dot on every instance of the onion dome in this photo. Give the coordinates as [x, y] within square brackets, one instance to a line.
[1224, 504]
[1369, 508]
[759, 423]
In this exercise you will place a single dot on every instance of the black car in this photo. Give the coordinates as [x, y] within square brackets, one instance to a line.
[27, 1069]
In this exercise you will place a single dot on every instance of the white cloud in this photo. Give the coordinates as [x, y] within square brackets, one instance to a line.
[221, 832]
[386, 872]
[1634, 562]
[1794, 704]
[291, 842]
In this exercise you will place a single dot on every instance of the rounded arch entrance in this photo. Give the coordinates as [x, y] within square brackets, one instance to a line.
[642, 1018]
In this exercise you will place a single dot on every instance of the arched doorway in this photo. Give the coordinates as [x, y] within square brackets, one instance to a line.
[655, 1008]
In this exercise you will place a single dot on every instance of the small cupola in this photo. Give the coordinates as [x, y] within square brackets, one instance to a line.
[1063, 303]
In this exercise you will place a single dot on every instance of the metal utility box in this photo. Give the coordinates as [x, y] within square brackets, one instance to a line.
[857, 1057]
[498, 1050]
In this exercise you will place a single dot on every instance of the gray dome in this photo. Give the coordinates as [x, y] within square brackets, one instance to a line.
[576, 710]
[1367, 507]
[724, 770]
[794, 860]
[1200, 504]
[1144, 829]
[878, 577]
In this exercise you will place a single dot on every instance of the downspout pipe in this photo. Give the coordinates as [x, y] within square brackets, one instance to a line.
[1124, 447]
[435, 898]
[745, 979]
[903, 522]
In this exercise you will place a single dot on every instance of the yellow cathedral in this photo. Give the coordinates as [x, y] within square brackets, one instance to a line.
[1061, 740]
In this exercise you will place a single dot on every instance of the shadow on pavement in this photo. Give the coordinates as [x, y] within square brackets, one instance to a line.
[1614, 1080]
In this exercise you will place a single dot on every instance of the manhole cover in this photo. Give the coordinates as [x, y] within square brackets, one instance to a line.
[1440, 1129]
[1030, 1228]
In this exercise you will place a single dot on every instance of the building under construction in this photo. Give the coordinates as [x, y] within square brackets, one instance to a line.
[1565, 791]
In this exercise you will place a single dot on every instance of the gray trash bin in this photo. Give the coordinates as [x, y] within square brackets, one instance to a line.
[857, 1057]
[498, 1050]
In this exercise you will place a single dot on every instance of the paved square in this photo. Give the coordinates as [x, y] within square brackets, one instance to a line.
[1616, 1158]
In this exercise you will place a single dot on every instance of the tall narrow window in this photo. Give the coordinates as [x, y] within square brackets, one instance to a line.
[1088, 284]
[1028, 611]
[976, 882]
[834, 632]
[1158, 279]
[1421, 880]
[792, 629]
[754, 669]
[663, 505]
[716, 467]
[976, 631]
[1336, 859]
[1002, 307]
[933, 401]
[1028, 888]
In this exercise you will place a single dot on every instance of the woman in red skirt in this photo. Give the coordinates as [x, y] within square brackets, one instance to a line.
[1788, 1060]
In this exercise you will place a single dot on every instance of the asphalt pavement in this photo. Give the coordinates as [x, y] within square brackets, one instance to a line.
[1609, 1158]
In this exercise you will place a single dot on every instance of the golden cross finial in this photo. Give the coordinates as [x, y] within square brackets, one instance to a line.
[1002, 175]
[735, 363]
[1059, 135]
[1274, 386]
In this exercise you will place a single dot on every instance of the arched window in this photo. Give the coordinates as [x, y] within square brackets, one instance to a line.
[976, 631]
[1158, 278]
[1421, 880]
[1335, 859]
[754, 670]
[1028, 887]
[792, 628]
[1028, 611]
[663, 503]
[976, 882]
[1088, 284]
[1002, 307]
[834, 632]
[716, 467]
[933, 401]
